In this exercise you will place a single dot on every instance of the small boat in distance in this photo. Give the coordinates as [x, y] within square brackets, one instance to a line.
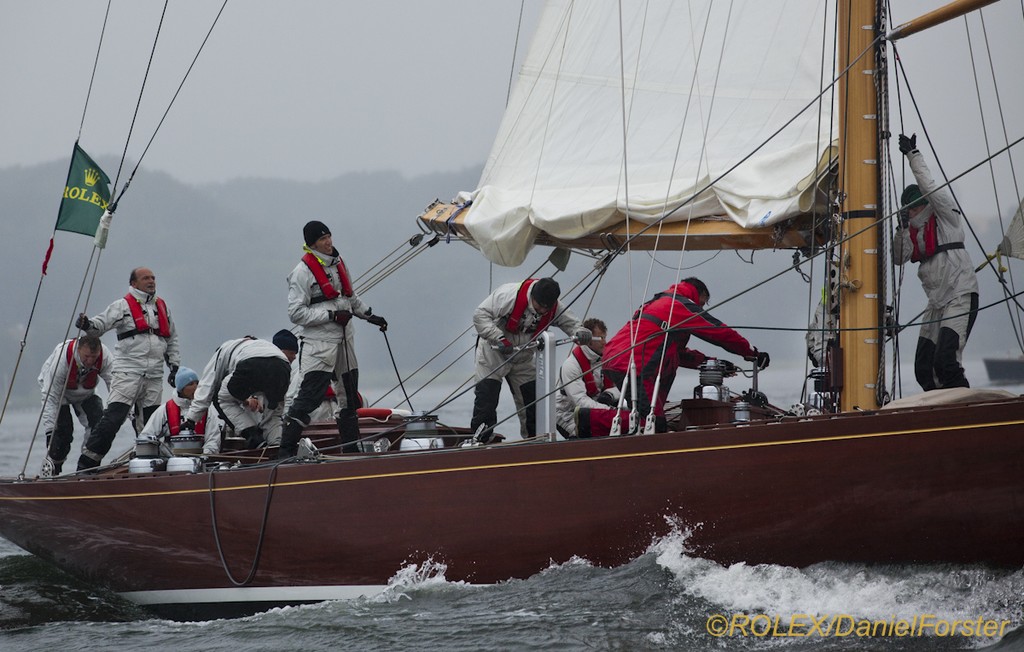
[1005, 370]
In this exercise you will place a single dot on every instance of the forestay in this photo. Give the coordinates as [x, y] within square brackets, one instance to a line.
[557, 164]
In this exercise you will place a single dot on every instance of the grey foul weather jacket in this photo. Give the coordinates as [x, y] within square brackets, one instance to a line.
[54, 376]
[143, 353]
[308, 309]
[947, 274]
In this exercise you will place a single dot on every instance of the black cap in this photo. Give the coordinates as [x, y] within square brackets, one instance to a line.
[285, 340]
[546, 292]
[313, 231]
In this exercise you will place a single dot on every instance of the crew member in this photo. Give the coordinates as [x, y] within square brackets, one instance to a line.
[931, 234]
[586, 395]
[676, 314]
[146, 340]
[68, 382]
[245, 381]
[510, 317]
[322, 301]
[169, 418]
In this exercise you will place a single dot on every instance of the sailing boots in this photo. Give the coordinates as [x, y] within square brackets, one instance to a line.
[102, 436]
[348, 428]
[290, 438]
[485, 409]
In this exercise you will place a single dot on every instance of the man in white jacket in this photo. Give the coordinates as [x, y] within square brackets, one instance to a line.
[68, 382]
[322, 301]
[510, 317]
[146, 340]
[245, 381]
[170, 420]
[584, 392]
[931, 234]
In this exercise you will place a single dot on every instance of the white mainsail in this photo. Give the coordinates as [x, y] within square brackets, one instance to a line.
[711, 80]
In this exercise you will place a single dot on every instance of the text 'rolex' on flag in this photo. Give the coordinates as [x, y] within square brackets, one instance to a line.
[86, 195]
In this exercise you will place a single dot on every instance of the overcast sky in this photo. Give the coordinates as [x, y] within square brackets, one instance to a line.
[311, 89]
[300, 89]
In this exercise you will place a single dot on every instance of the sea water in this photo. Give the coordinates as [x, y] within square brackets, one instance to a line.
[667, 599]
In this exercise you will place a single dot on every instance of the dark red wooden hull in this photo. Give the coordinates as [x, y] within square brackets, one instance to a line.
[914, 486]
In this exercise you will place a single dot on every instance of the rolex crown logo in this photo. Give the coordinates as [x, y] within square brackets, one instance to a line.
[92, 175]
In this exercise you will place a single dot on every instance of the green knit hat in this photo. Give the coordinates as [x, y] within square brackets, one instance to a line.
[912, 197]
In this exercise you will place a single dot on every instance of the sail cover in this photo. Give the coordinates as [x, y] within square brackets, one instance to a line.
[705, 85]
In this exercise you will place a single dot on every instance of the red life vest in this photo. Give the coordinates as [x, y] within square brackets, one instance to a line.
[320, 274]
[139, 317]
[588, 372]
[931, 242]
[91, 376]
[174, 420]
[519, 308]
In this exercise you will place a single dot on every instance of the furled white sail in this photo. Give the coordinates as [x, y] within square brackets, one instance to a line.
[706, 83]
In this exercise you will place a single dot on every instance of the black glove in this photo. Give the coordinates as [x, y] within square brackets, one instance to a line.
[908, 145]
[340, 316]
[83, 323]
[904, 218]
[172, 374]
[505, 347]
[583, 336]
[606, 398]
[379, 322]
[763, 359]
[188, 424]
[728, 368]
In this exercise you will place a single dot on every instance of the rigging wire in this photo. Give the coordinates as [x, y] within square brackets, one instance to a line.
[515, 49]
[138, 103]
[702, 159]
[92, 77]
[169, 104]
[1014, 319]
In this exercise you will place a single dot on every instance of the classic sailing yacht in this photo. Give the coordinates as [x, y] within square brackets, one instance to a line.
[702, 133]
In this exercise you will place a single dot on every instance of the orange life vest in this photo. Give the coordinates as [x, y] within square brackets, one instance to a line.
[163, 328]
[320, 275]
[519, 308]
[174, 420]
[91, 376]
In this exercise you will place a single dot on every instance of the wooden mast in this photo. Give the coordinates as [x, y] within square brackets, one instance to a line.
[860, 297]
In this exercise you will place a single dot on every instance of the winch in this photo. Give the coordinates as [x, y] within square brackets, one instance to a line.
[712, 375]
[421, 432]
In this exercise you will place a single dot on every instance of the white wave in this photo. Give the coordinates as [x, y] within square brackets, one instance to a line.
[425, 575]
[872, 592]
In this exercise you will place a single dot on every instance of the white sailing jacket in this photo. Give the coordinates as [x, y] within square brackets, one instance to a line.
[143, 353]
[54, 376]
[491, 317]
[308, 308]
[947, 274]
[218, 370]
[573, 392]
[157, 428]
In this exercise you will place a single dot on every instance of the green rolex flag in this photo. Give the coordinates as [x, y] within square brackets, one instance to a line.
[86, 195]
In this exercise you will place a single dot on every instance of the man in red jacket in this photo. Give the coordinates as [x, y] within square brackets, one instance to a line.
[675, 314]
